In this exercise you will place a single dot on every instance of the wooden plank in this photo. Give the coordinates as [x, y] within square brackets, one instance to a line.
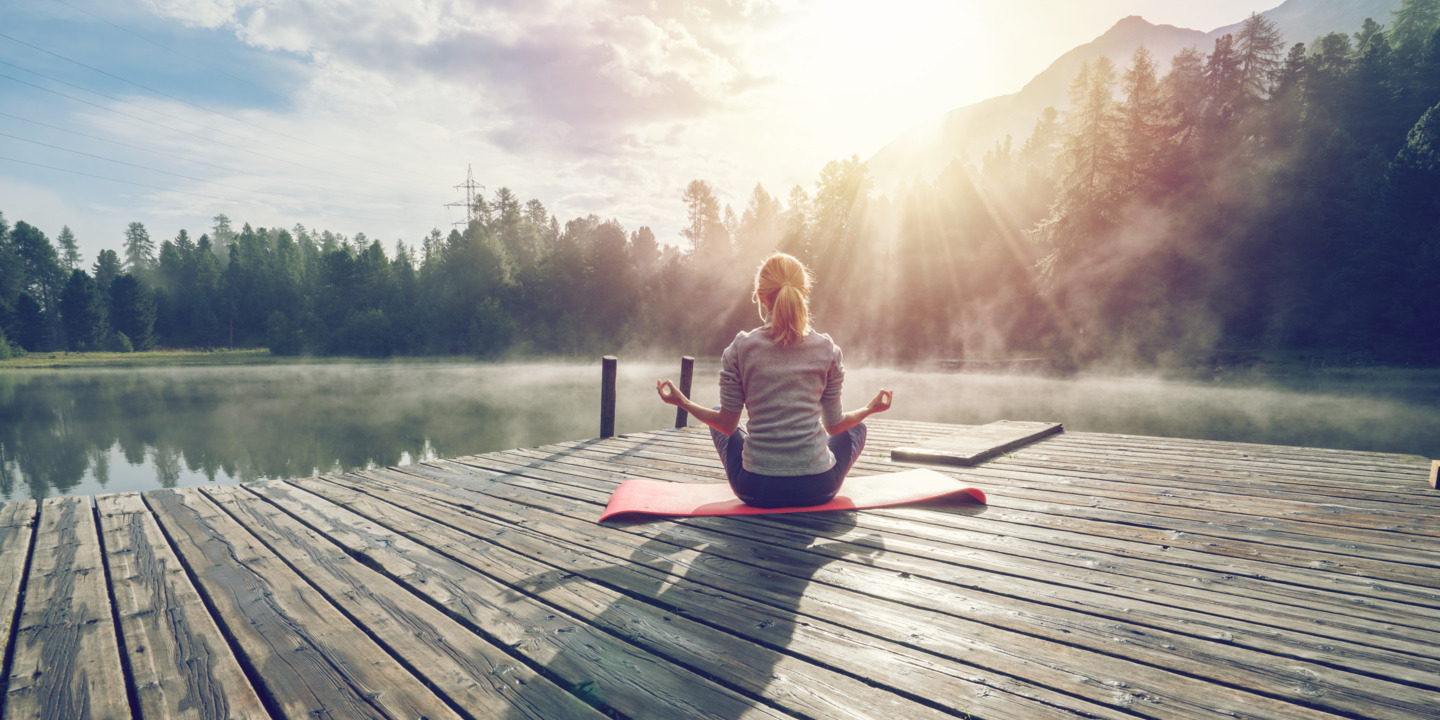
[67, 657]
[1339, 554]
[413, 551]
[1279, 595]
[1330, 455]
[975, 445]
[1435, 473]
[1185, 583]
[1242, 482]
[773, 624]
[17, 528]
[1315, 526]
[1163, 636]
[1231, 559]
[472, 673]
[311, 660]
[1247, 474]
[181, 664]
[1293, 523]
[1313, 466]
[1298, 465]
[942, 629]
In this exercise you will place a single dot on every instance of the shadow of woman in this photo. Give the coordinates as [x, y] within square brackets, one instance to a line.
[726, 600]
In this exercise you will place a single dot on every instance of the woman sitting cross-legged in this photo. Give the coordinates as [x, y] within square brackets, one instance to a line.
[798, 444]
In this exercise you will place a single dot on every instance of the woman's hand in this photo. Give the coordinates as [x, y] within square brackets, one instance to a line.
[881, 403]
[669, 393]
[724, 421]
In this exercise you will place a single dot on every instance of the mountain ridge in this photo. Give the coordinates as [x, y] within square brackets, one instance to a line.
[971, 130]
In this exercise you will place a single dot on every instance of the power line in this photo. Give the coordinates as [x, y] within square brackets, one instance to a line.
[118, 180]
[122, 162]
[167, 48]
[177, 99]
[146, 120]
[162, 94]
[163, 189]
[127, 145]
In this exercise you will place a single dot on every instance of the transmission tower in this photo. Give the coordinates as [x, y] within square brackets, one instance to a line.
[473, 198]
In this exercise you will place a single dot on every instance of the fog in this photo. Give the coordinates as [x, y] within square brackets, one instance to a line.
[75, 432]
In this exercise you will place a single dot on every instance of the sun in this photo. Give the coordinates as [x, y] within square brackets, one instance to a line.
[882, 67]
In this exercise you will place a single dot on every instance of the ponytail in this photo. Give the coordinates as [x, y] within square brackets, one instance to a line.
[783, 283]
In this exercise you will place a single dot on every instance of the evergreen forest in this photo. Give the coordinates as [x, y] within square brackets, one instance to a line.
[1250, 196]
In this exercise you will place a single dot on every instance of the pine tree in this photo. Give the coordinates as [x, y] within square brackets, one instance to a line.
[132, 311]
[82, 312]
[1143, 125]
[139, 250]
[1257, 47]
[106, 269]
[704, 230]
[1092, 181]
[1415, 21]
[69, 251]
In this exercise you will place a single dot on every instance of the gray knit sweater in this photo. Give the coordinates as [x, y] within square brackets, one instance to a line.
[790, 394]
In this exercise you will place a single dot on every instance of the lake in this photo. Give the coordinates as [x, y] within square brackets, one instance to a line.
[84, 431]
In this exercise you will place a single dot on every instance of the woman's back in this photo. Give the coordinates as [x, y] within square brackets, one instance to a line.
[790, 394]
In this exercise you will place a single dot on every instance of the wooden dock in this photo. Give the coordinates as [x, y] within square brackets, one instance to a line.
[1109, 577]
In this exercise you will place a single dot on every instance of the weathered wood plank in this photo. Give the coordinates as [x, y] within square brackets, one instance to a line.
[1346, 522]
[67, 657]
[1165, 636]
[17, 529]
[1334, 555]
[311, 660]
[473, 673]
[975, 445]
[1296, 611]
[1331, 457]
[1002, 522]
[1002, 519]
[1314, 524]
[934, 628]
[775, 623]
[429, 563]
[181, 664]
[1248, 477]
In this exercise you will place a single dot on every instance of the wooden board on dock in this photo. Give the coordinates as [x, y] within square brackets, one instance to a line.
[976, 444]
[1114, 577]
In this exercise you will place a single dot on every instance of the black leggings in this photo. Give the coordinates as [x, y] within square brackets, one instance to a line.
[772, 491]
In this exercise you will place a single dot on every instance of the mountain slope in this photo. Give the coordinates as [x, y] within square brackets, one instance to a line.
[974, 129]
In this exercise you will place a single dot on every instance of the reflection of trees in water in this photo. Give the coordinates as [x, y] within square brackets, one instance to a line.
[254, 423]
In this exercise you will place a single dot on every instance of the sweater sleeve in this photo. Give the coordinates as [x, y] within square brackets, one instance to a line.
[831, 411]
[732, 390]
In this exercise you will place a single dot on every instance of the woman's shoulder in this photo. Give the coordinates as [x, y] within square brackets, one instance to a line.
[820, 339]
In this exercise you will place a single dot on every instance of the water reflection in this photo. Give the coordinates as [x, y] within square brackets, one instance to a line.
[71, 432]
[81, 431]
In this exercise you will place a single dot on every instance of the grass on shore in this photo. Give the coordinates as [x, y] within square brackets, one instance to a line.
[148, 358]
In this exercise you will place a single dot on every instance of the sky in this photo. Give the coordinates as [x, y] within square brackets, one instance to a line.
[362, 116]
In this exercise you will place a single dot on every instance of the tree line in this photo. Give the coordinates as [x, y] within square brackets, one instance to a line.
[1248, 197]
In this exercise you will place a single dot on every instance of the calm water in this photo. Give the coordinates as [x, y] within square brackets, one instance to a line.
[74, 432]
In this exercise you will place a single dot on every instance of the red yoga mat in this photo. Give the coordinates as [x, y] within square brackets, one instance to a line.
[657, 497]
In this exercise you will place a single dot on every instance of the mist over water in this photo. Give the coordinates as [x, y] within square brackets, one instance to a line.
[75, 432]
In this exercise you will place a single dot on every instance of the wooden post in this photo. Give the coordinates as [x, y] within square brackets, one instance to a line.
[1435, 474]
[687, 373]
[607, 396]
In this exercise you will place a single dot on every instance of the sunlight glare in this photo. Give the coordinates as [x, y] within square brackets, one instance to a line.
[880, 67]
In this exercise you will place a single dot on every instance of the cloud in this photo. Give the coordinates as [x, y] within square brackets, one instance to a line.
[561, 75]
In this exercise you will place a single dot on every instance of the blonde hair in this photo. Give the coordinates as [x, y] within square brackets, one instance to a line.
[783, 283]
